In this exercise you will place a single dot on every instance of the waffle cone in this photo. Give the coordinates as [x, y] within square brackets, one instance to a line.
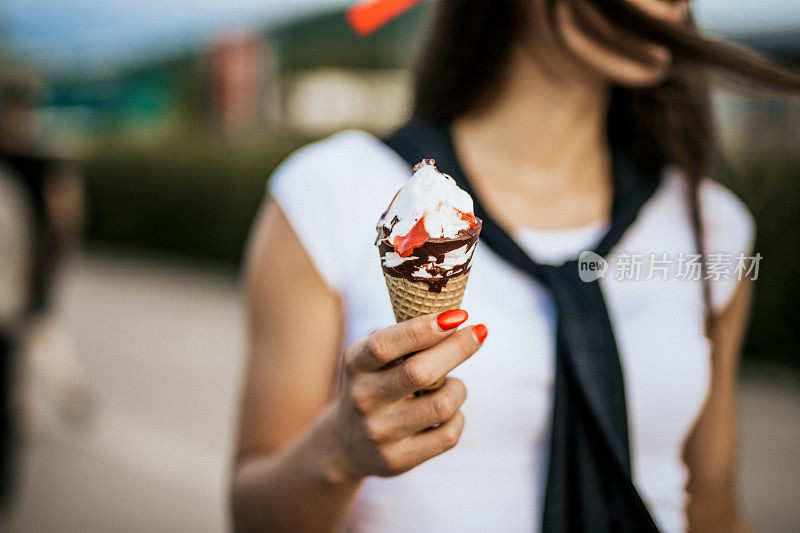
[411, 299]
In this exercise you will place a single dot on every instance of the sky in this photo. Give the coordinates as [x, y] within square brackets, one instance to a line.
[76, 33]
[741, 16]
[80, 34]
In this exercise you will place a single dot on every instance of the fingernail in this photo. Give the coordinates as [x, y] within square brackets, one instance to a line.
[452, 319]
[480, 332]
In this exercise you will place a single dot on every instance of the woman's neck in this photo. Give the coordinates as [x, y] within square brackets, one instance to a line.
[542, 123]
[542, 137]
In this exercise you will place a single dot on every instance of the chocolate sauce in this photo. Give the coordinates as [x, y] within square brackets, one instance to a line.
[435, 248]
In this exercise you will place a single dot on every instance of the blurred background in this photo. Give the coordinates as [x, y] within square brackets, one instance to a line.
[154, 125]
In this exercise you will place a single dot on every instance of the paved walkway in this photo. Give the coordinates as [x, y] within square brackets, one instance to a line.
[162, 347]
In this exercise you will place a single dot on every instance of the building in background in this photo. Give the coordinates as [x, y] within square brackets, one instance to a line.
[308, 73]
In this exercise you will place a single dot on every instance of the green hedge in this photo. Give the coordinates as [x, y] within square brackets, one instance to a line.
[768, 180]
[195, 198]
[199, 199]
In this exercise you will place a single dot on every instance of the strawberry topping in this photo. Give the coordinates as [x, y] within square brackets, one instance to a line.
[416, 237]
[468, 217]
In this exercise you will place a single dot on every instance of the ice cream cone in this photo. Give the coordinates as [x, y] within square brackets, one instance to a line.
[426, 240]
[411, 299]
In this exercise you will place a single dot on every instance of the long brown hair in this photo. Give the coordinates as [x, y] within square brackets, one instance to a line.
[465, 58]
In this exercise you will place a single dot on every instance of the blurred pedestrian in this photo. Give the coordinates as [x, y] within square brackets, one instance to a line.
[15, 256]
[40, 218]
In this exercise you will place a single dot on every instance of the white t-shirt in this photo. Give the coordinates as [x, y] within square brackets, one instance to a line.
[333, 193]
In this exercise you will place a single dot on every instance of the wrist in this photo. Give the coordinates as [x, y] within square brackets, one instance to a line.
[334, 468]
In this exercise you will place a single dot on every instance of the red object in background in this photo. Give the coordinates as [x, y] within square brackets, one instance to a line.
[366, 17]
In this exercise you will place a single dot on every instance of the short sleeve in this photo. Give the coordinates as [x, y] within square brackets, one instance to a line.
[307, 195]
[729, 239]
[332, 192]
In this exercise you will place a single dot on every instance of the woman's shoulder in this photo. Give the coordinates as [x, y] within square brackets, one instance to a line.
[332, 192]
[350, 155]
[725, 215]
[344, 178]
[728, 231]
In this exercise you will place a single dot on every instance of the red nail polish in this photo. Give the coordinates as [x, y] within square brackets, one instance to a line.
[452, 319]
[480, 332]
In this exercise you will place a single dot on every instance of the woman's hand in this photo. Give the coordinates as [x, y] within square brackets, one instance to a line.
[381, 426]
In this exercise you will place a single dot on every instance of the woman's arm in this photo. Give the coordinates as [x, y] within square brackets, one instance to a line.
[711, 449]
[302, 453]
[294, 331]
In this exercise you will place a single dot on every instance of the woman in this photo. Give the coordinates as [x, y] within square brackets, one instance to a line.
[535, 100]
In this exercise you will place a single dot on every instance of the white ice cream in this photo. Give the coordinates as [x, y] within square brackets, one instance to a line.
[456, 257]
[393, 259]
[452, 259]
[435, 196]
